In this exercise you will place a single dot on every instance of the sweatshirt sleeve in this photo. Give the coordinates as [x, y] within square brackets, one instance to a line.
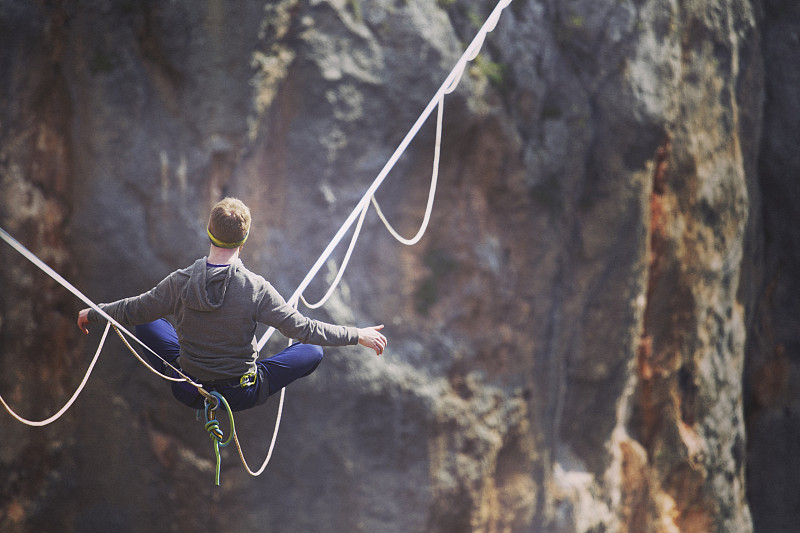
[274, 311]
[156, 303]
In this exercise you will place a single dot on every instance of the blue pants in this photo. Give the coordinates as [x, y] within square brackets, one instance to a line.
[296, 361]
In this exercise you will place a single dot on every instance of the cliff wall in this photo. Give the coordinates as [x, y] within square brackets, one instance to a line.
[594, 335]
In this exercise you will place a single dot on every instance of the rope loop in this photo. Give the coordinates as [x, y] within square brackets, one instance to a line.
[65, 408]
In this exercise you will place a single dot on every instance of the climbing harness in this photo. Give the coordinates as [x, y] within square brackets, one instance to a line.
[248, 380]
[214, 400]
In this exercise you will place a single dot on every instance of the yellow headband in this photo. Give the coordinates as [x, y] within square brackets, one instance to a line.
[219, 244]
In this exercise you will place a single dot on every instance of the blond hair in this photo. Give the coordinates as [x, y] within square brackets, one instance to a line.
[229, 223]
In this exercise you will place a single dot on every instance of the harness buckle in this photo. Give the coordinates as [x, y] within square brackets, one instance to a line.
[248, 380]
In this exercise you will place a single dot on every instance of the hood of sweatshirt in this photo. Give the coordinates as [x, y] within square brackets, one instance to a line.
[207, 286]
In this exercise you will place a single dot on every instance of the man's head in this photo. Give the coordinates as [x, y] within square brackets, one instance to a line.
[229, 223]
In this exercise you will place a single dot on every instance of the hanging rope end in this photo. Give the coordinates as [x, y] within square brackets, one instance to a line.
[213, 402]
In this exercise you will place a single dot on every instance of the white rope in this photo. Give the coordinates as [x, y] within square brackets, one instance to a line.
[74, 397]
[447, 87]
[271, 444]
[149, 366]
[277, 422]
[343, 266]
[431, 193]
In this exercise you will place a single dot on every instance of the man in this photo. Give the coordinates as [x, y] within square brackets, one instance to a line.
[216, 304]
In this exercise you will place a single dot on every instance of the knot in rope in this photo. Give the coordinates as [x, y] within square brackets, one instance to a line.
[212, 426]
[213, 429]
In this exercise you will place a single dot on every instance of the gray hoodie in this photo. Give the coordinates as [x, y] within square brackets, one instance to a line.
[216, 312]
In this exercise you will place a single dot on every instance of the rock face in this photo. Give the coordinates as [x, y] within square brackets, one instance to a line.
[601, 293]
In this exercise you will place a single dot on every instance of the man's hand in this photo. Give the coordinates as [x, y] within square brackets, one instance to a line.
[83, 320]
[372, 338]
